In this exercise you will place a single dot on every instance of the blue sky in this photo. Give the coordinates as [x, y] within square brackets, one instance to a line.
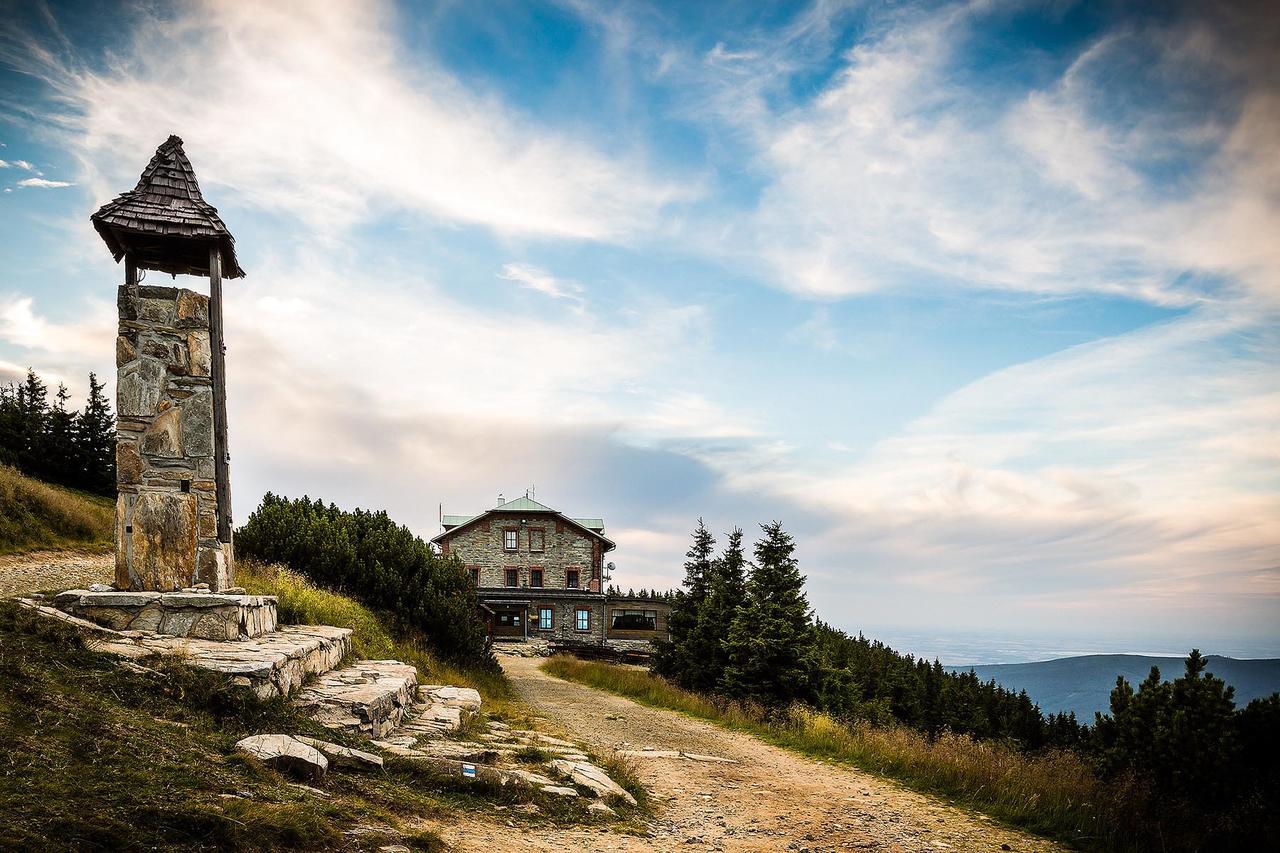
[980, 299]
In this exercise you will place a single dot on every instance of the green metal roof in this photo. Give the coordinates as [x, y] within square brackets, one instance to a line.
[524, 503]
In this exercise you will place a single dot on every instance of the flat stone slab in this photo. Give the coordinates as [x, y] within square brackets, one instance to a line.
[343, 757]
[464, 698]
[286, 754]
[590, 776]
[371, 696]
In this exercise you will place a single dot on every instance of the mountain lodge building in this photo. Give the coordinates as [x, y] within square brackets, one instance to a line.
[540, 574]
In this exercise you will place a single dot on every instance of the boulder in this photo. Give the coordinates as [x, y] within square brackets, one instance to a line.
[286, 754]
[601, 810]
[343, 757]
[589, 776]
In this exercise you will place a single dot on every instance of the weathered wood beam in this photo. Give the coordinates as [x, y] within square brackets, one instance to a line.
[221, 454]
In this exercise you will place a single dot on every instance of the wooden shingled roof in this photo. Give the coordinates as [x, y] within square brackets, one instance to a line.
[164, 223]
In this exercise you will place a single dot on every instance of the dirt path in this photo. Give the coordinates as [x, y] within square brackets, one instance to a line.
[771, 799]
[45, 570]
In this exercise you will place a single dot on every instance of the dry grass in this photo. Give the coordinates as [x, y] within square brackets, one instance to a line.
[35, 515]
[1052, 793]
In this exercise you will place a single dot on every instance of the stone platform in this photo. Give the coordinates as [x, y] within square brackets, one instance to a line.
[274, 664]
[199, 615]
[370, 696]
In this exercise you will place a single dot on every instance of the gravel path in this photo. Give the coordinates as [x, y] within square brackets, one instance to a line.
[771, 799]
[45, 570]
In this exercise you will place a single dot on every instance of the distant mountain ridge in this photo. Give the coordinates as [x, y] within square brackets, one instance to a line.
[1083, 684]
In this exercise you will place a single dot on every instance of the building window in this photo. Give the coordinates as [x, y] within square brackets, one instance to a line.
[475, 574]
[582, 619]
[513, 577]
[511, 540]
[537, 539]
[571, 579]
[544, 618]
[508, 619]
[535, 577]
[634, 620]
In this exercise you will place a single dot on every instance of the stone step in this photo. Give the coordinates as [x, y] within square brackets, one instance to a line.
[369, 696]
[273, 664]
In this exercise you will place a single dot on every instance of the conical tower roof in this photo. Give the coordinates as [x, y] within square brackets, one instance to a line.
[164, 223]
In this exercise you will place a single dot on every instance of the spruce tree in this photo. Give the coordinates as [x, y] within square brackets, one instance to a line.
[726, 588]
[674, 659]
[96, 436]
[33, 407]
[772, 642]
[62, 454]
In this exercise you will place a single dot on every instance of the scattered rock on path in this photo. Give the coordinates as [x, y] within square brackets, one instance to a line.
[343, 757]
[589, 776]
[286, 754]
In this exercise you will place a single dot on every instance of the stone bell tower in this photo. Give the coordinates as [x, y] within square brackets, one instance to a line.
[173, 507]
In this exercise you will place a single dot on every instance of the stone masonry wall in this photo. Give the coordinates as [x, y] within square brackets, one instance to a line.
[166, 510]
[480, 545]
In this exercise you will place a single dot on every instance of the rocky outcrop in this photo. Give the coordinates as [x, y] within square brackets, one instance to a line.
[370, 696]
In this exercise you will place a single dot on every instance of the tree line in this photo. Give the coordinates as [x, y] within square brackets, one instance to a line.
[380, 563]
[47, 439]
[656, 595]
[744, 631]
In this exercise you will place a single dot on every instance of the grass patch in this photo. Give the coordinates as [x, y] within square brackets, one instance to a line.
[100, 757]
[303, 603]
[36, 515]
[1055, 793]
[531, 755]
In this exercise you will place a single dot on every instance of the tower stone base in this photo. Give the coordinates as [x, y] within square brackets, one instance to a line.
[167, 508]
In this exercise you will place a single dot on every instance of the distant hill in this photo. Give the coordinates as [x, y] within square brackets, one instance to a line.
[1083, 684]
[34, 514]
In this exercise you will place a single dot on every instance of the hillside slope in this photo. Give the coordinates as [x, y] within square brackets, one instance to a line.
[34, 514]
[1083, 684]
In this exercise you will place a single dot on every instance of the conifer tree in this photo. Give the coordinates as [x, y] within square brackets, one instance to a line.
[96, 436]
[708, 643]
[62, 453]
[673, 659]
[772, 642]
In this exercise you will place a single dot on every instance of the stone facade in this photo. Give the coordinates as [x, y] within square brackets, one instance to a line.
[167, 508]
[566, 547]
[542, 551]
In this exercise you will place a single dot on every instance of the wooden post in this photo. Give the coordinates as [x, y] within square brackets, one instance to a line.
[130, 271]
[221, 455]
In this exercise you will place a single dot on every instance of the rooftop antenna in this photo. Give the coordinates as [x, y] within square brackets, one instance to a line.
[533, 492]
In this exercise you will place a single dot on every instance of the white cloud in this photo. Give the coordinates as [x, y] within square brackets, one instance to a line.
[537, 279]
[898, 175]
[1134, 477]
[17, 164]
[41, 183]
[318, 110]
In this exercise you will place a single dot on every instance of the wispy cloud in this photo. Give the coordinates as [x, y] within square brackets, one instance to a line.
[17, 164]
[541, 281]
[42, 183]
[318, 111]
